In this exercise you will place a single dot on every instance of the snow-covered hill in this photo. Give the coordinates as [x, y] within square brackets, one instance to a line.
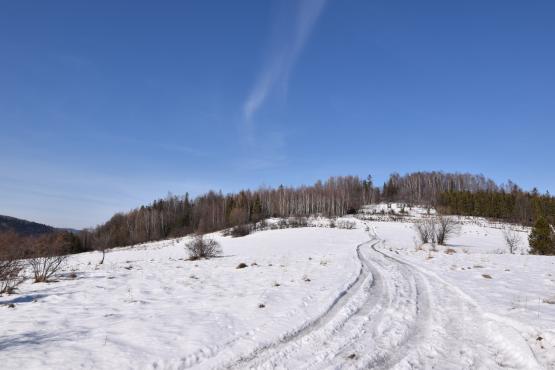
[315, 297]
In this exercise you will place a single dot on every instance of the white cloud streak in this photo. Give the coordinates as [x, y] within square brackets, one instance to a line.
[284, 55]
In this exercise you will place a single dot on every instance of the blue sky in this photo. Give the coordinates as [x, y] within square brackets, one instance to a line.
[106, 105]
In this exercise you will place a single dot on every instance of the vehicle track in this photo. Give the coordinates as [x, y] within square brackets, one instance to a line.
[391, 312]
[394, 315]
[348, 304]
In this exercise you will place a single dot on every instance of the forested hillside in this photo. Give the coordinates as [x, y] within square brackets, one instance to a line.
[23, 227]
[470, 195]
[173, 216]
[180, 215]
[337, 196]
[514, 206]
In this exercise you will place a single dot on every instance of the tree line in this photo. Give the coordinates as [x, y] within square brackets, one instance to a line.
[470, 195]
[24, 246]
[516, 206]
[176, 216]
[425, 188]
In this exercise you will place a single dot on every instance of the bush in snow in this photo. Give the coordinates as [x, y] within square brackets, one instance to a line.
[445, 228]
[436, 229]
[11, 266]
[295, 222]
[426, 230]
[512, 239]
[10, 274]
[241, 230]
[262, 225]
[345, 224]
[48, 260]
[201, 247]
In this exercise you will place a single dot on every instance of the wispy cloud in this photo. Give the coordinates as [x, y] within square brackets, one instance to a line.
[285, 51]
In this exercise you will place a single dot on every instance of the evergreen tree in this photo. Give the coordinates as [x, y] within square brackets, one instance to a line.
[540, 239]
[256, 210]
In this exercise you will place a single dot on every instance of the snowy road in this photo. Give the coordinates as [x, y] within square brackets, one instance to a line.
[396, 315]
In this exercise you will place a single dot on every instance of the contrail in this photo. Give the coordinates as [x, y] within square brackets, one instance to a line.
[284, 55]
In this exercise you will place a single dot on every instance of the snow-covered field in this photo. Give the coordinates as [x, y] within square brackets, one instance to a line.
[314, 297]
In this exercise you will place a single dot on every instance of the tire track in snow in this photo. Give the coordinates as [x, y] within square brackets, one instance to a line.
[343, 301]
[461, 326]
[394, 315]
[356, 338]
[345, 305]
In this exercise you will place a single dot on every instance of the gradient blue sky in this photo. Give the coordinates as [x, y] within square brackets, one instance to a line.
[106, 105]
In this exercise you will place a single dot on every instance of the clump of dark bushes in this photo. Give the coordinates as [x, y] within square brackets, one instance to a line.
[203, 248]
[241, 230]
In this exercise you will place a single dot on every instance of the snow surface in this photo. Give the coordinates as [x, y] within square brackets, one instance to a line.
[315, 297]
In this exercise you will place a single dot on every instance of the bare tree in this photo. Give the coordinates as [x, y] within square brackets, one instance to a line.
[446, 227]
[512, 239]
[201, 247]
[103, 244]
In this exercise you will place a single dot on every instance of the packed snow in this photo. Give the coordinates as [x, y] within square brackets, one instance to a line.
[311, 297]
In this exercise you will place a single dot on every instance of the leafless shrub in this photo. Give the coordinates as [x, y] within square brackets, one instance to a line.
[10, 274]
[436, 230]
[241, 230]
[293, 222]
[446, 228]
[262, 225]
[11, 265]
[434, 245]
[345, 224]
[201, 247]
[512, 239]
[48, 259]
[426, 230]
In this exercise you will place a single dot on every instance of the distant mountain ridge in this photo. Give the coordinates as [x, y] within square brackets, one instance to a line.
[23, 227]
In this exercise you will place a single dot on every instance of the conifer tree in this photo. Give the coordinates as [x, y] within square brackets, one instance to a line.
[540, 239]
